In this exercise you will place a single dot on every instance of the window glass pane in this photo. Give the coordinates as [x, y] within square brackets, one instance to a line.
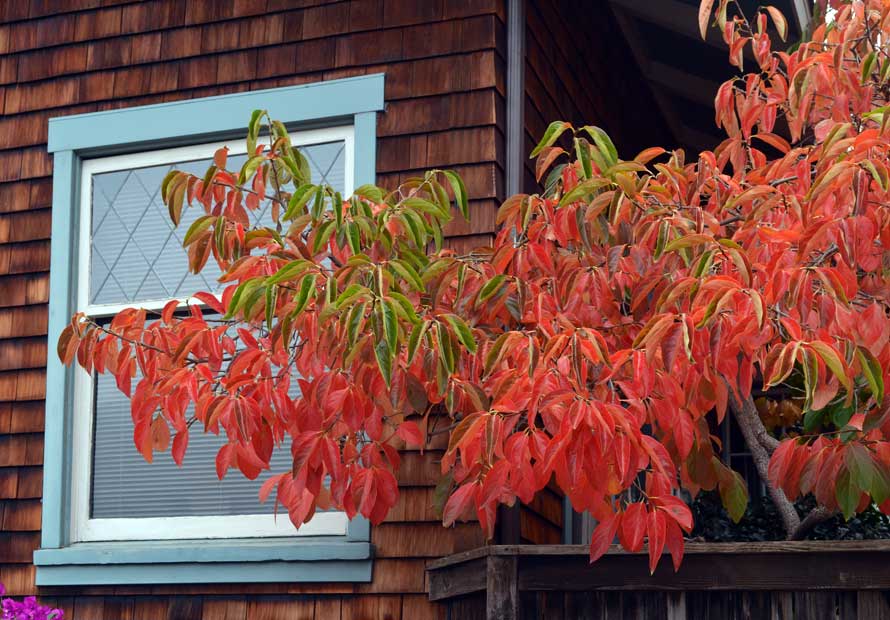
[125, 485]
[136, 252]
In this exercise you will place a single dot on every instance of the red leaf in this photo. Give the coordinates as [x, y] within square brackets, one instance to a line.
[676, 508]
[459, 503]
[169, 309]
[674, 542]
[655, 529]
[220, 156]
[211, 301]
[270, 483]
[224, 460]
[633, 527]
[304, 447]
[410, 433]
[180, 443]
[495, 483]
[142, 437]
[684, 433]
[603, 536]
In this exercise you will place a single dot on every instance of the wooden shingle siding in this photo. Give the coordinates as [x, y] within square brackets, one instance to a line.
[444, 66]
[579, 69]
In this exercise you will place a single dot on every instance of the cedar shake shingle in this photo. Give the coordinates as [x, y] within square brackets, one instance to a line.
[444, 90]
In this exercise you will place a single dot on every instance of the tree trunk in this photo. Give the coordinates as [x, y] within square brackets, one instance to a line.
[762, 444]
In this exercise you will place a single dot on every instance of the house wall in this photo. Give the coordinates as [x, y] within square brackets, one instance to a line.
[444, 66]
[580, 69]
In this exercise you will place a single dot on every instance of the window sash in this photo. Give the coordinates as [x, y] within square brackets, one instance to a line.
[84, 528]
[90, 167]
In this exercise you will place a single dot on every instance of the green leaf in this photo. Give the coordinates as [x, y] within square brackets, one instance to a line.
[810, 365]
[873, 372]
[582, 152]
[733, 491]
[369, 192]
[176, 197]
[551, 135]
[833, 361]
[280, 131]
[603, 143]
[664, 231]
[438, 235]
[304, 172]
[404, 307]
[446, 352]
[207, 181]
[460, 193]
[165, 183]
[417, 334]
[812, 420]
[250, 299]
[354, 321]
[408, 273]
[198, 226]
[305, 294]
[581, 190]
[867, 66]
[846, 492]
[880, 179]
[494, 354]
[687, 241]
[298, 200]
[353, 235]
[338, 208]
[240, 294]
[704, 263]
[324, 232]
[330, 291]
[290, 271]
[271, 299]
[249, 168]
[491, 287]
[862, 468]
[424, 205]
[390, 324]
[317, 204]
[462, 331]
[416, 227]
[840, 415]
[253, 131]
[384, 361]
[351, 293]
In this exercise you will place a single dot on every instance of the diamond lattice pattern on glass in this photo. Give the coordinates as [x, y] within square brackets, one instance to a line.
[136, 252]
[137, 256]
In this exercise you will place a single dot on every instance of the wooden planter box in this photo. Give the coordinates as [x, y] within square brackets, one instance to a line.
[773, 580]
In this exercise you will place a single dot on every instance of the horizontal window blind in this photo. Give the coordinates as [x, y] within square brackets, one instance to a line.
[126, 485]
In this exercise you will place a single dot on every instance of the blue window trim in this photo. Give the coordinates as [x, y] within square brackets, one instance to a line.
[73, 138]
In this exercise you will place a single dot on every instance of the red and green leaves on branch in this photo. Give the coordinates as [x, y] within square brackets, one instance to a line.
[599, 342]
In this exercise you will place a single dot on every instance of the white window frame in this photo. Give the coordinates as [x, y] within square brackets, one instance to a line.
[84, 528]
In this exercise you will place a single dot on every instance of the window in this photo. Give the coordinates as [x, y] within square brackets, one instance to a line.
[110, 517]
[132, 255]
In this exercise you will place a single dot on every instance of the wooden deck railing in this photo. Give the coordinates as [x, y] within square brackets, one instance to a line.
[772, 580]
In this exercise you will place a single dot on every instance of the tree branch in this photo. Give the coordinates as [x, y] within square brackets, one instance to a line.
[756, 437]
[816, 516]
